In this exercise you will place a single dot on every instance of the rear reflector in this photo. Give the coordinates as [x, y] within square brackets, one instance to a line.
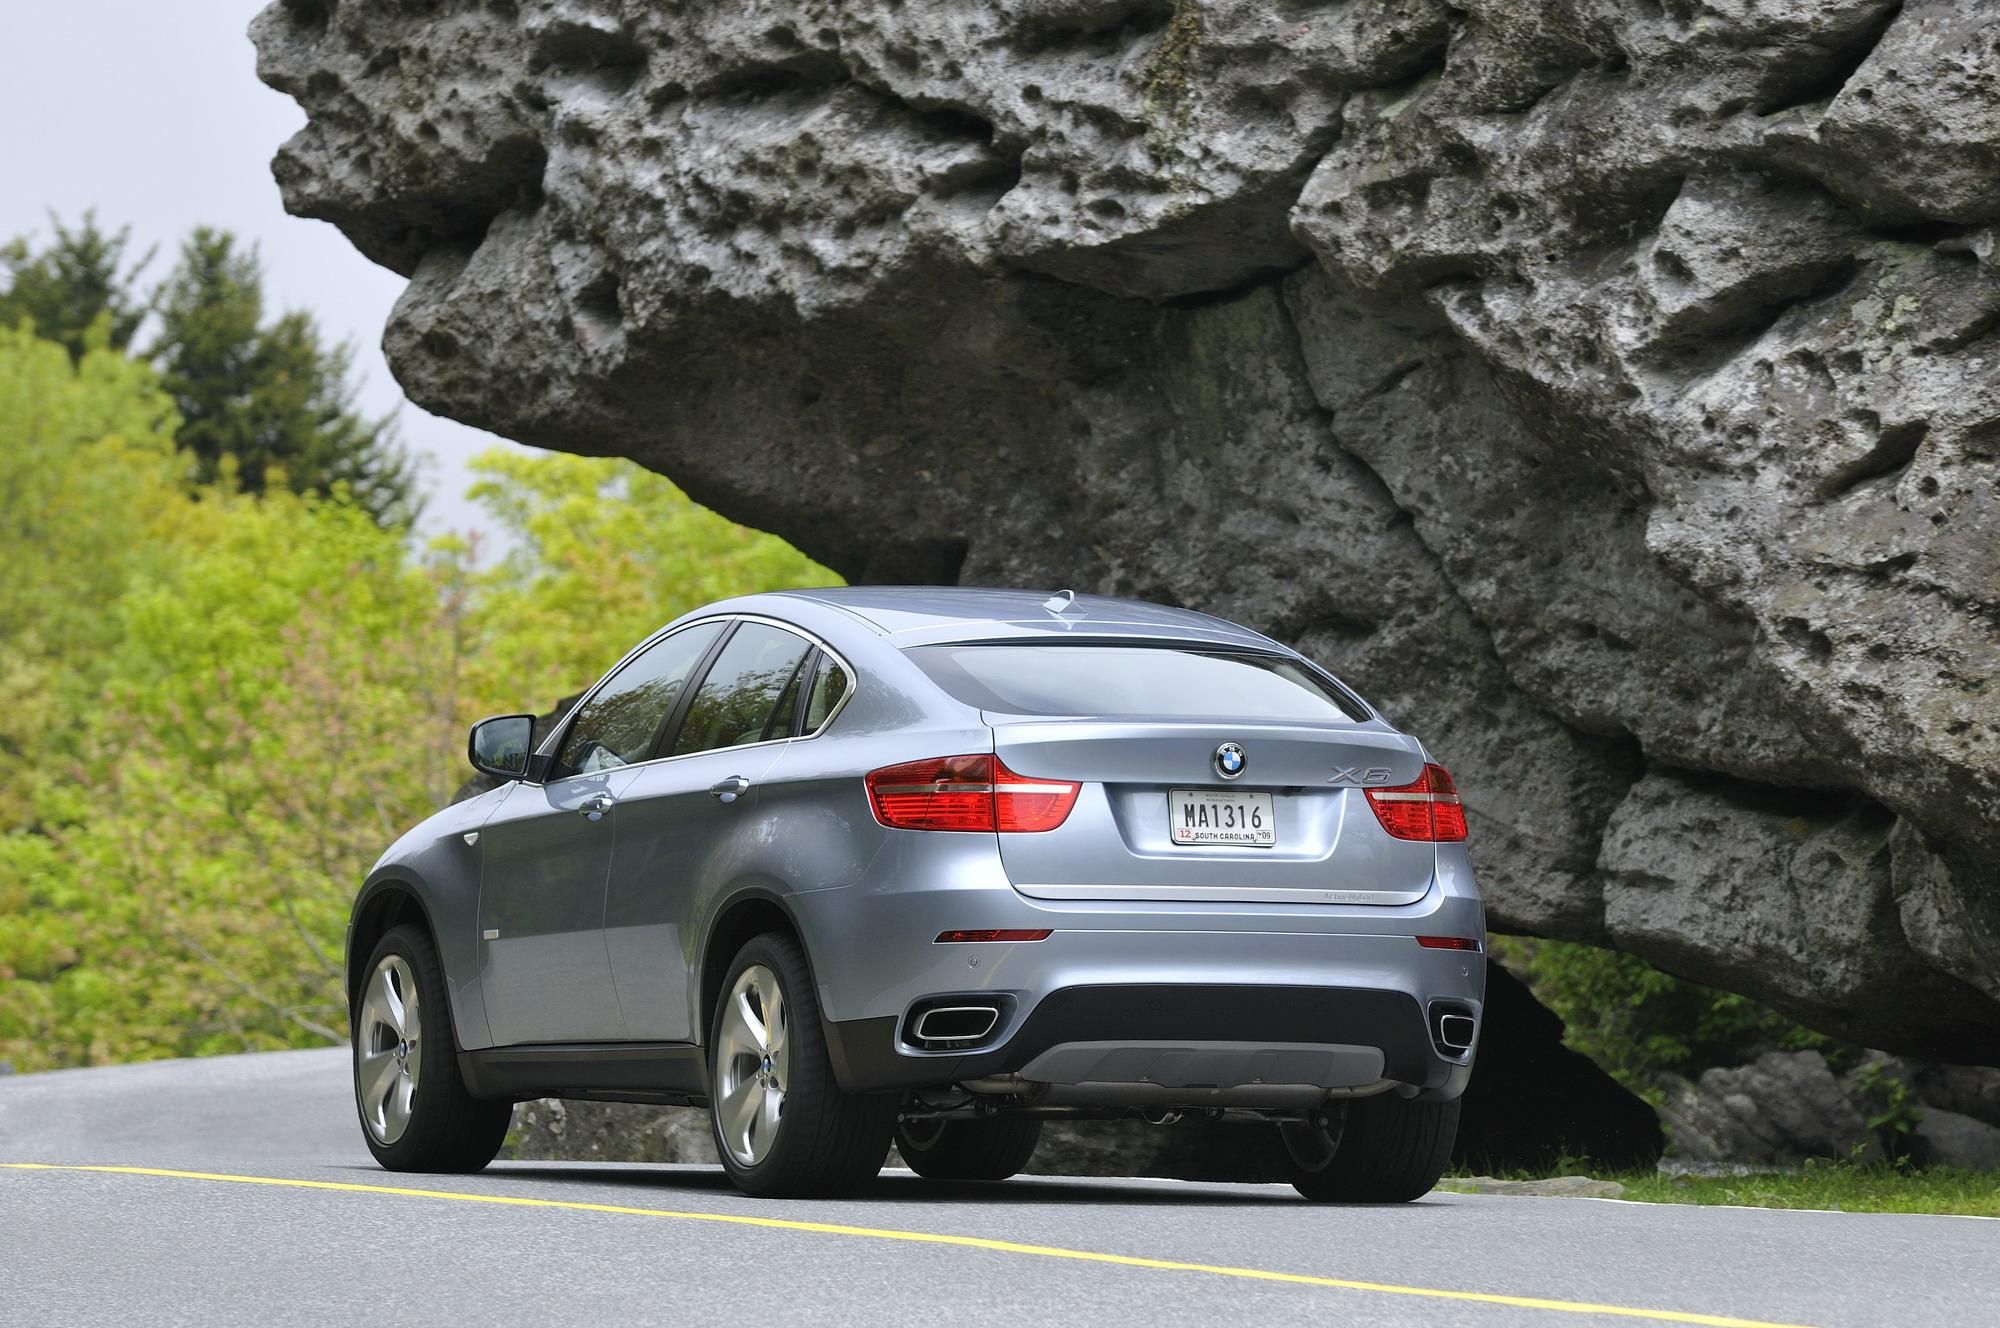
[1428, 809]
[976, 792]
[1448, 942]
[952, 937]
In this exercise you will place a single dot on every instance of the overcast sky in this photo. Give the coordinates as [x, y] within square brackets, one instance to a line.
[151, 112]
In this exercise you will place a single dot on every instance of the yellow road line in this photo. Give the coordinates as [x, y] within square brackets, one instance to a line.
[937, 1238]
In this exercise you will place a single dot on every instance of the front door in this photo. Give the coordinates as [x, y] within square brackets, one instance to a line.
[546, 856]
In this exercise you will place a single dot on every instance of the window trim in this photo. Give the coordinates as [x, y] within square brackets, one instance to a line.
[670, 724]
[808, 665]
[701, 663]
[729, 623]
[805, 692]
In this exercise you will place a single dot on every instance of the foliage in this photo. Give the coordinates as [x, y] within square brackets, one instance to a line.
[604, 553]
[1637, 1021]
[87, 463]
[1844, 1186]
[268, 399]
[68, 287]
[276, 707]
[225, 705]
[1892, 1109]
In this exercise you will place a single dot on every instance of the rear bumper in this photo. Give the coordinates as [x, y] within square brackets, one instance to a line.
[1365, 1034]
[1252, 975]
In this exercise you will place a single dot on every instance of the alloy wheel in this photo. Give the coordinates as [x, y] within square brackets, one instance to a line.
[388, 1048]
[752, 1065]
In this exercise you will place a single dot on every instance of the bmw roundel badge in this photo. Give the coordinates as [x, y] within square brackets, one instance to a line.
[1230, 760]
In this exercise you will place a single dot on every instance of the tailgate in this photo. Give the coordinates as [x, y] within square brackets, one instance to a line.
[1158, 820]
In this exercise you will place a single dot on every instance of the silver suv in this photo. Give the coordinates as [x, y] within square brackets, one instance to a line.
[935, 865]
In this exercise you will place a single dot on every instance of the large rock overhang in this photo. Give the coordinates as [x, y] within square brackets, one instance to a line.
[1612, 394]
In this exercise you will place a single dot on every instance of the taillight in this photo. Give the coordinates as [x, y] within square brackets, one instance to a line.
[1428, 809]
[976, 792]
[947, 793]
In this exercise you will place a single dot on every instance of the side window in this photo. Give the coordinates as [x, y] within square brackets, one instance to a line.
[736, 699]
[829, 688]
[620, 721]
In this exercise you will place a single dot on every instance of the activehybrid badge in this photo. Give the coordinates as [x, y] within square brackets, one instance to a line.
[1230, 760]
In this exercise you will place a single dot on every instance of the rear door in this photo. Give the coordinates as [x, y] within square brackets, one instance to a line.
[681, 818]
[1208, 774]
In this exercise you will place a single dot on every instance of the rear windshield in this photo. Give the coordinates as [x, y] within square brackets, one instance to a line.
[1133, 682]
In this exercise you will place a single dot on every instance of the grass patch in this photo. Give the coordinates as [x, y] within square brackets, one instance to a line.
[1842, 1186]
[1852, 1189]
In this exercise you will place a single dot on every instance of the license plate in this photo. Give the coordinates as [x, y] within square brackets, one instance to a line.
[1222, 816]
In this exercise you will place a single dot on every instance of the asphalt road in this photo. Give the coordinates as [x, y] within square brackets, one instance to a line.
[237, 1190]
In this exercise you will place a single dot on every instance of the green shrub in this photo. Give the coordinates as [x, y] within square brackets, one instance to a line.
[1637, 1021]
[225, 705]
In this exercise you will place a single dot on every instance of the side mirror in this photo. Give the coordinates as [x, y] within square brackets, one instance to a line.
[500, 746]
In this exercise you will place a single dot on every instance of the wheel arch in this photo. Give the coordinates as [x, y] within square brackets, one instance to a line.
[748, 913]
[385, 904]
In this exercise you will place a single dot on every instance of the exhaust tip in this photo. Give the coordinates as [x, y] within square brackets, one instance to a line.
[947, 1025]
[1453, 1030]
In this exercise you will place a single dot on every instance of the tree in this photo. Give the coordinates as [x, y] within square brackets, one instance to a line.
[279, 703]
[604, 553]
[68, 286]
[274, 686]
[262, 403]
[87, 462]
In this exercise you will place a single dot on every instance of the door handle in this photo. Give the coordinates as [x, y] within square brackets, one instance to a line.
[731, 788]
[593, 808]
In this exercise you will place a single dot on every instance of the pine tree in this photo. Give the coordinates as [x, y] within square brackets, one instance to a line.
[267, 400]
[71, 283]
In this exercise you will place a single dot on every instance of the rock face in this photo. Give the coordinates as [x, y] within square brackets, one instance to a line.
[1611, 392]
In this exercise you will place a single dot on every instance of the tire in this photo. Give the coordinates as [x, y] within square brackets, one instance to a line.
[782, 1125]
[1383, 1149]
[968, 1149]
[415, 1113]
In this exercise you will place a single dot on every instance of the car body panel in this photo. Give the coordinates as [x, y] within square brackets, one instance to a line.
[606, 926]
[436, 865]
[673, 834]
[1116, 843]
[545, 971]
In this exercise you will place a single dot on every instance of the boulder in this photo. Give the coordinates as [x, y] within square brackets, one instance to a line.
[1967, 1090]
[1783, 1108]
[1947, 1139]
[1611, 392]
